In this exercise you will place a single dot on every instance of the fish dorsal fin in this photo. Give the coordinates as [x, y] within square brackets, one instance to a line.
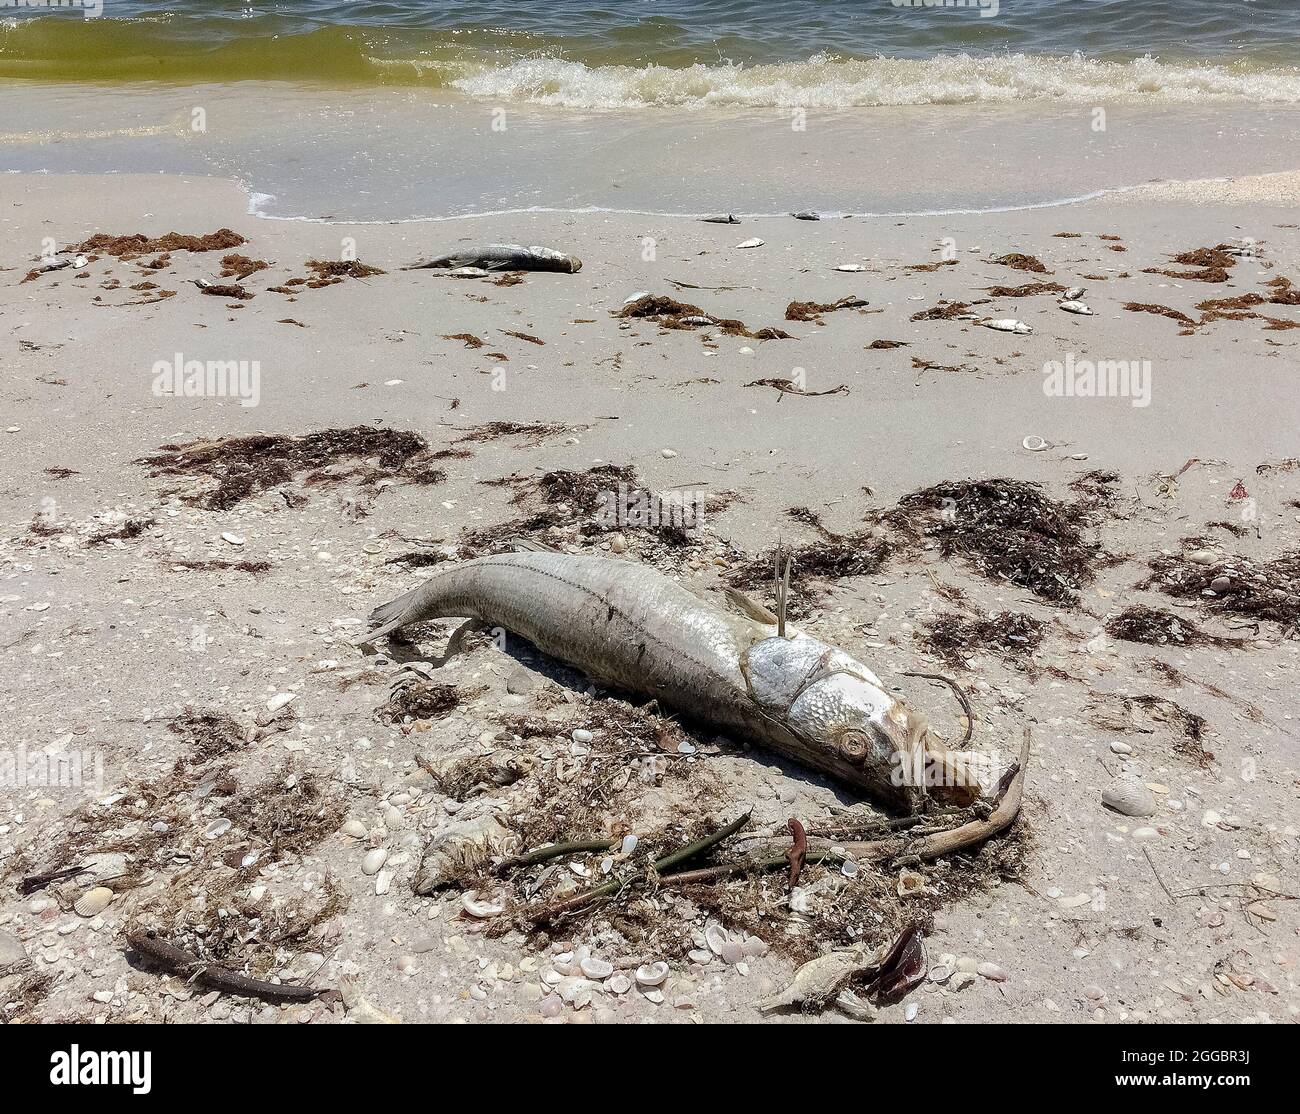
[747, 606]
[528, 545]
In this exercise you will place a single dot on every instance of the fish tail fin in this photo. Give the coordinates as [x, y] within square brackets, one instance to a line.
[409, 607]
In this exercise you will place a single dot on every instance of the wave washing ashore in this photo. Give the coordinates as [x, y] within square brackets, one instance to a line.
[673, 53]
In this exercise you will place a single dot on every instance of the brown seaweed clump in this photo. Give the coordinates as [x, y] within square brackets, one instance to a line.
[590, 505]
[1153, 626]
[1260, 590]
[1008, 530]
[1018, 261]
[418, 699]
[1008, 633]
[128, 247]
[243, 467]
[669, 313]
[1028, 290]
[1209, 265]
[812, 311]
[209, 734]
[944, 311]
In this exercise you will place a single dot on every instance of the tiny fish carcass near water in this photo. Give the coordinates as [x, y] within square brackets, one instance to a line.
[630, 627]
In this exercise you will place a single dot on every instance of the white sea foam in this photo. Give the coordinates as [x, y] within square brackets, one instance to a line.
[825, 82]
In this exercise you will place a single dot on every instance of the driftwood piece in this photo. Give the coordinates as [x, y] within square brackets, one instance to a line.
[177, 961]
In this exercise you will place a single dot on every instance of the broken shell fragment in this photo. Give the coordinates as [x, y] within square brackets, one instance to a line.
[1034, 443]
[910, 883]
[596, 968]
[481, 909]
[652, 974]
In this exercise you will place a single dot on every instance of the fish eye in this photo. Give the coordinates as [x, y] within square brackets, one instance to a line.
[853, 744]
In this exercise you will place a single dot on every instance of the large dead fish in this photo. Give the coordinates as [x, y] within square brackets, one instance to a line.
[632, 628]
[504, 257]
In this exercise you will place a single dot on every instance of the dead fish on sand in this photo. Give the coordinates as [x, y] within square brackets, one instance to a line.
[806, 214]
[1073, 305]
[753, 243]
[58, 262]
[504, 257]
[1007, 325]
[633, 629]
[721, 218]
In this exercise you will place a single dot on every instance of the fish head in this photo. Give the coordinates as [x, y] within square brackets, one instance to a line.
[839, 709]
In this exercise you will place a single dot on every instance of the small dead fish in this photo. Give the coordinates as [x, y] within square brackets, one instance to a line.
[508, 257]
[807, 214]
[851, 267]
[468, 272]
[1073, 294]
[695, 319]
[1007, 325]
[754, 243]
[58, 262]
[1073, 306]
[721, 218]
[820, 981]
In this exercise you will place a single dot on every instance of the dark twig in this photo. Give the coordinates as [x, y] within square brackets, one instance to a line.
[961, 696]
[661, 866]
[177, 961]
[556, 851]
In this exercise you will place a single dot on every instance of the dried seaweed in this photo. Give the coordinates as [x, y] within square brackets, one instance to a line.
[128, 247]
[1155, 627]
[1008, 530]
[1018, 261]
[243, 467]
[1261, 590]
[1009, 633]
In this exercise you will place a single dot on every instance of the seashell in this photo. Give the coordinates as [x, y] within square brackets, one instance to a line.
[655, 996]
[475, 908]
[596, 968]
[629, 844]
[217, 828]
[93, 902]
[909, 1014]
[755, 947]
[652, 974]
[700, 955]
[354, 829]
[1202, 557]
[232, 539]
[940, 973]
[1130, 798]
[374, 860]
[582, 735]
[619, 984]
[1034, 443]
[1007, 325]
[991, 971]
[1072, 306]
[715, 936]
[849, 868]
[910, 883]
[551, 1006]
[752, 243]
[279, 700]
[732, 952]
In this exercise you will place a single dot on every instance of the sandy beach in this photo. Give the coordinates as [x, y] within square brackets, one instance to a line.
[188, 625]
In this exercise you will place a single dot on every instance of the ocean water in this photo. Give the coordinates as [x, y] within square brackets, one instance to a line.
[675, 53]
[427, 109]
